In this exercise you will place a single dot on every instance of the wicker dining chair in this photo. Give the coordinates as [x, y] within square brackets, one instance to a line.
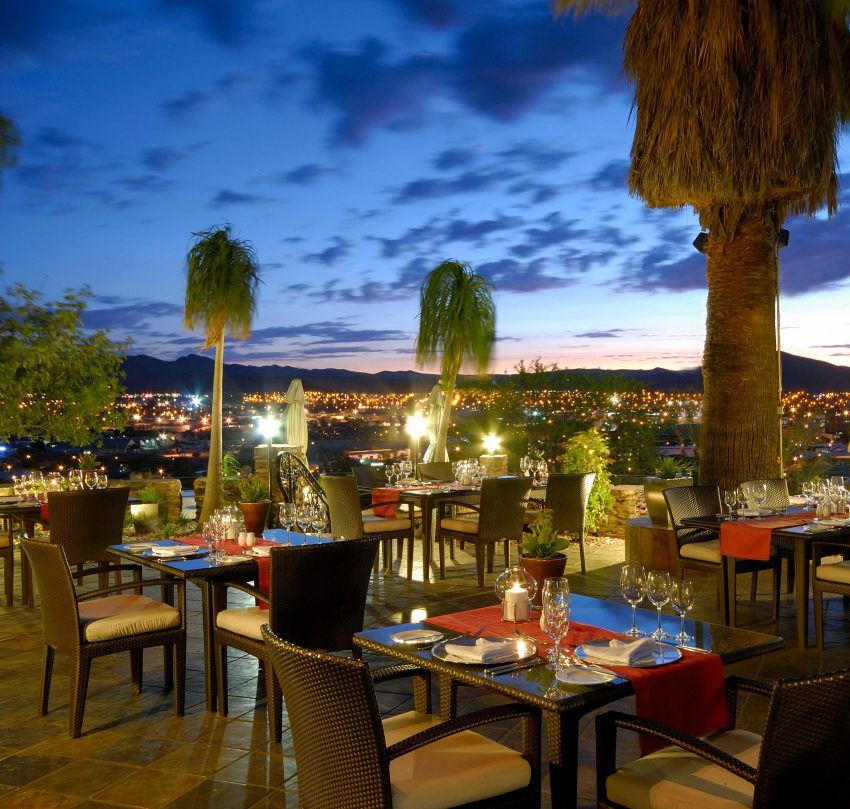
[436, 470]
[317, 597]
[778, 499]
[829, 577]
[800, 760]
[348, 758]
[102, 623]
[352, 521]
[7, 556]
[566, 498]
[498, 518]
[699, 548]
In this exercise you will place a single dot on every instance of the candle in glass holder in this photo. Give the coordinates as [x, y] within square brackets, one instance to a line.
[517, 605]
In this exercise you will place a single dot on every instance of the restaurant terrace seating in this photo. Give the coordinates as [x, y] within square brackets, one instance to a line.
[436, 470]
[829, 575]
[348, 758]
[102, 622]
[316, 598]
[800, 760]
[7, 557]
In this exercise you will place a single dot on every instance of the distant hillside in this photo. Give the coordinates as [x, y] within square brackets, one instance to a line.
[193, 374]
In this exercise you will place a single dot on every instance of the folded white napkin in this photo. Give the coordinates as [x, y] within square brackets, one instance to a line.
[754, 512]
[483, 651]
[798, 500]
[173, 550]
[818, 528]
[619, 652]
[261, 550]
[833, 521]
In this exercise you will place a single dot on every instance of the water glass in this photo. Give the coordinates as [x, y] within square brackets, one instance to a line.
[287, 515]
[759, 493]
[556, 615]
[730, 498]
[303, 519]
[658, 584]
[682, 598]
[633, 589]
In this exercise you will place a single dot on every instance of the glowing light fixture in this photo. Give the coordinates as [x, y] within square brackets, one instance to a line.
[268, 426]
[416, 426]
[491, 443]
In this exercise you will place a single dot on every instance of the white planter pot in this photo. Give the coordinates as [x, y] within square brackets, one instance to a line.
[145, 517]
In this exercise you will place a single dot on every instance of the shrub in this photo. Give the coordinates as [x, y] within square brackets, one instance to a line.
[541, 541]
[150, 494]
[252, 491]
[230, 466]
[585, 452]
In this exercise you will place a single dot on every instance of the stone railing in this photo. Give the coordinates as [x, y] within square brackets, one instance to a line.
[628, 503]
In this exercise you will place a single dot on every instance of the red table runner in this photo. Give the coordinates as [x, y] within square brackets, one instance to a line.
[750, 539]
[689, 695]
[381, 495]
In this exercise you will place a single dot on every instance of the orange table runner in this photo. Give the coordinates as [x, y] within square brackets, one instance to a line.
[688, 695]
[750, 538]
[382, 495]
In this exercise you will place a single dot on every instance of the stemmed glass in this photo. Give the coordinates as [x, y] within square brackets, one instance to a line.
[658, 592]
[525, 465]
[759, 493]
[302, 518]
[633, 589]
[808, 490]
[556, 616]
[287, 517]
[389, 473]
[682, 598]
[75, 479]
[730, 498]
[318, 519]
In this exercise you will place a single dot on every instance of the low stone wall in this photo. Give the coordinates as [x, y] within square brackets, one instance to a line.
[628, 503]
[231, 492]
[170, 487]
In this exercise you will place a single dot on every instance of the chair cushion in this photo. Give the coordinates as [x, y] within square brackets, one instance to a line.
[671, 778]
[838, 572]
[378, 525]
[243, 621]
[405, 508]
[124, 615]
[708, 551]
[532, 515]
[463, 526]
[463, 768]
[4, 539]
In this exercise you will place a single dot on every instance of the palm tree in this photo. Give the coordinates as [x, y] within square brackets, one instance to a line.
[222, 274]
[738, 106]
[457, 322]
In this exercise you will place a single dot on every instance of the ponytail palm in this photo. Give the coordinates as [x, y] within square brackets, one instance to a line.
[738, 109]
[457, 323]
[222, 274]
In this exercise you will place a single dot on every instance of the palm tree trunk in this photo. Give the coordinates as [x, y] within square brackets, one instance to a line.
[213, 493]
[440, 450]
[740, 430]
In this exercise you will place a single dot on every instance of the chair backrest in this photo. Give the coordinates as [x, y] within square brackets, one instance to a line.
[318, 592]
[804, 752]
[685, 502]
[567, 496]
[365, 476]
[343, 506]
[436, 470]
[502, 509]
[52, 577]
[777, 497]
[85, 523]
[340, 749]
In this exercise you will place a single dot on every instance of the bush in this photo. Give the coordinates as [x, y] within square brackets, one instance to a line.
[150, 494]
[252, 491]
[585, 452]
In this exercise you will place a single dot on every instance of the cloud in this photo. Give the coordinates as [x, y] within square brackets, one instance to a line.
[330, 255]
[603, 334]
[437, 13]
[535, 155]
[552, 230]
[144, 183]
[305, 174]
[326, 331]
[509, 275]
[128, 313]
[227, 196]
[455, 158]
[468, 182]
[227, 21]
[611, 177]
[476, 231]
[29, 25]
[665, 268]
[162, 158]
[191, 102]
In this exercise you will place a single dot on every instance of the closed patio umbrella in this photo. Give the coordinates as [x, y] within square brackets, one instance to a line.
[296, 416]
[435, 412]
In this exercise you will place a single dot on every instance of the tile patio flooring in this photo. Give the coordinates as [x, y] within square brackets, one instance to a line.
[135, 753]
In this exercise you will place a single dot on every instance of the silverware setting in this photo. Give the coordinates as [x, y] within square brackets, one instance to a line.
[507, 668]
[694, 649]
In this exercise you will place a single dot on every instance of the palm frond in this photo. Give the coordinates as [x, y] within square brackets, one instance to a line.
[222, 274]
[579, 7]
[457, 318]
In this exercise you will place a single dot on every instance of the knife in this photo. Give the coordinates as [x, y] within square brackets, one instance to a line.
[507, 668]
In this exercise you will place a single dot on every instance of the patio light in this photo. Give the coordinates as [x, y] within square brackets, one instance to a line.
[268, 427]
[491, 443]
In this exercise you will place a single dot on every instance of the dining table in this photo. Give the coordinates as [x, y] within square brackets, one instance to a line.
[26, 514]
[797, 539]
[562, 704]
[202, 570]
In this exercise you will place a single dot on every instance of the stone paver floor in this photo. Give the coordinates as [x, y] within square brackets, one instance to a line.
[135, 753]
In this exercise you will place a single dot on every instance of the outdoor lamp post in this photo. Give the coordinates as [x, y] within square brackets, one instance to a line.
[268, 426]
[416, 427]
[494, 463]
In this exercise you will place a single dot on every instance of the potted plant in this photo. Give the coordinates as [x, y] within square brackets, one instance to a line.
[145, 513]
[88, 464]
[668, 473]
[254, 504]
[542, 552]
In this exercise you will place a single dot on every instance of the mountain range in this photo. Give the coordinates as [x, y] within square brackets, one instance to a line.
[193, 374]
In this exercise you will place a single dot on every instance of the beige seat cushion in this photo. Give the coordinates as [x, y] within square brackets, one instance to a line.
[463, 768]
[531, 515]
[670, 778]
[839, 572]
[708, 551]
[405, 508]
[463, 526]
[124, 615]
[378, 525]
[4, 539]
[243, 621]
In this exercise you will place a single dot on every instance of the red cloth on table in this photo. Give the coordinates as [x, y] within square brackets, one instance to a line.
[688, 695]
[232, 547]
[750, 539]
[45, 514]
[381, 495]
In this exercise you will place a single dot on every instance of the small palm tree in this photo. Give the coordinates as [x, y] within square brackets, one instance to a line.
[457, 322]
[738, 104]
[222, 274]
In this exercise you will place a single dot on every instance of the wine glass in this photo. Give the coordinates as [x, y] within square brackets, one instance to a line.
[524, 465]
[730, 498]
[318, 518]
[543, 471]
[287, 515]
[388, 473]
[808, 490]
[302, 518]
[658, 592]
[556, 615]
[742, 498]
[682, 598]
[633, 589]
[759, 493]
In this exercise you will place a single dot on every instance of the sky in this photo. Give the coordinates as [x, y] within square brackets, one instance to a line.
[357, 144]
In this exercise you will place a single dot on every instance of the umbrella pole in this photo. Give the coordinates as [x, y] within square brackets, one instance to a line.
[271, 497]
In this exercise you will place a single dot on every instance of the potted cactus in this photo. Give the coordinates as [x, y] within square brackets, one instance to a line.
[543, 552]
[254, 503]
[145, 513]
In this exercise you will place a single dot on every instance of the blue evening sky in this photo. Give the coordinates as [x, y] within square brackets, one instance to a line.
[357, 143]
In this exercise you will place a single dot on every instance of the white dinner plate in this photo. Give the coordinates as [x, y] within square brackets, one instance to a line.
[577, 675]
[516, 651]
[662, 655]
[417, 637]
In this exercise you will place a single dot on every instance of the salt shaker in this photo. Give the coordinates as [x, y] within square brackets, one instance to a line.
[242, 539]
[250, 540]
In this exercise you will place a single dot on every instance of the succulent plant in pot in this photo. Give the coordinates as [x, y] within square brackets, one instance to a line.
[254, 503]
[543, 552]
[669, 472]
[146, 513]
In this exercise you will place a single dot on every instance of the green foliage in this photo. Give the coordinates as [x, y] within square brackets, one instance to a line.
[9, 141]
[796, 439]
[150, 494]
[88, 462]
[587, 451]
[252, 491]
[230, 466]
[59, 383]
[541, 541]
[669, 467]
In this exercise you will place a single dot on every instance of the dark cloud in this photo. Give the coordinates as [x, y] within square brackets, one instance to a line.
[538, 192]
[611, 177]
[535, 155]
[144, 183]
[509, 275]
[601, 335]
[227, 196]
[330, 255]
[468, 182]
[306, 174]
[553, 230]
[327, 331]
[162, 158]
[437, 13]
[476, 231]
[665, 268]
[834, 345]
[123, 313]
[450, 159]
[191, 102]
[227, 21]
[28, 25]
[54, 137]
